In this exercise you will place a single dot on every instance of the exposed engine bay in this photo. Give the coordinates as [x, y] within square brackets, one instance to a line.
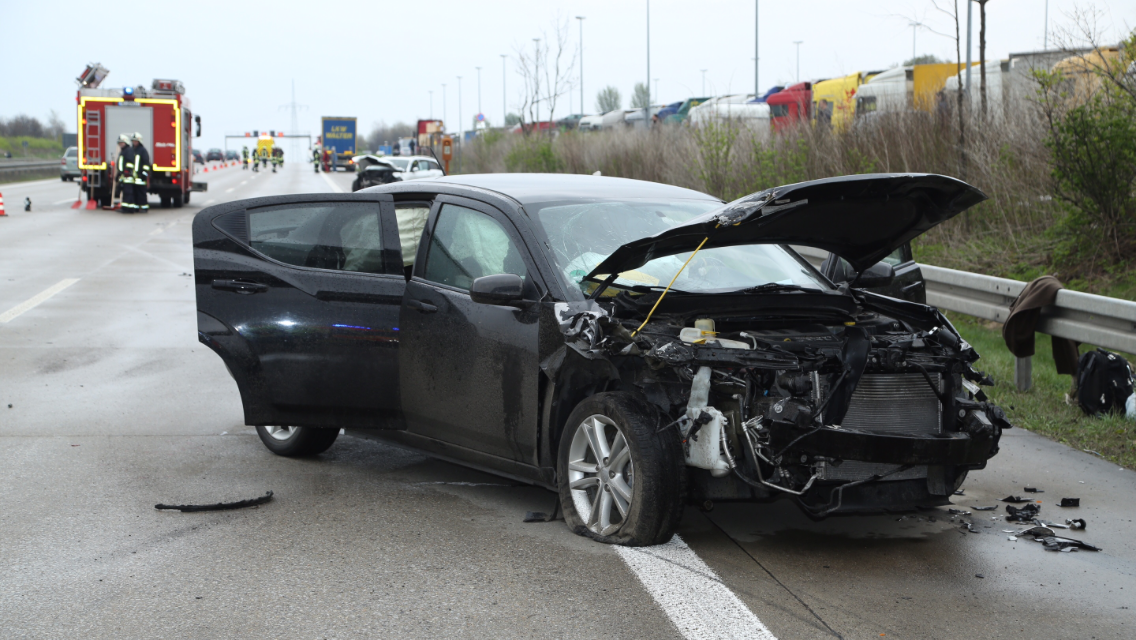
[843, 401]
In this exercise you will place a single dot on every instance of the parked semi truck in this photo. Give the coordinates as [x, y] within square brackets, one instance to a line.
[338, 136]
[163, 117]
[834, 100]
[912, 88]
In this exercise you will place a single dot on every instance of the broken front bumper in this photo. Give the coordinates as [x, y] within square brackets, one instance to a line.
[950, 449]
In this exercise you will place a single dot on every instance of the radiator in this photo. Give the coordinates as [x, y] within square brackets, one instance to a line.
[901, 404]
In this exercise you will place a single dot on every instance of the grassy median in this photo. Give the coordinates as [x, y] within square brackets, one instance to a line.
[1042, 409]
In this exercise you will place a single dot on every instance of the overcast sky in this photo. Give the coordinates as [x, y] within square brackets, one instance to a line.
[378, 61]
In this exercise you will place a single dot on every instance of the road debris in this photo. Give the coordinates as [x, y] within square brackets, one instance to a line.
[1069, 502]
[1014, 499]
[958, 512]
[985, 508]
[1033, 490]
[1076, 523]
[979, 575]
[220, 506]
[1024, 514]
[1012, 538]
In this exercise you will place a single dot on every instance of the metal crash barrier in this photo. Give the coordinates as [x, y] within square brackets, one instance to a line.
[1084, 317]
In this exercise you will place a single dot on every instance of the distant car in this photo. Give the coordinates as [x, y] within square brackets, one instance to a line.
[590, 123]
[375, 170]
[197, 157]
[69, 164]
[214, 154]
[232, 154]
[668, 110]
[570, 122]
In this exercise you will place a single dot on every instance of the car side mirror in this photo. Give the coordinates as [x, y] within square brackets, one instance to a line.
[197, 119]
[504, 289]
[880, 274]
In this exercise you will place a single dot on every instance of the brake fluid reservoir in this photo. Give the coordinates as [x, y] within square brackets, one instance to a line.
[704, 324]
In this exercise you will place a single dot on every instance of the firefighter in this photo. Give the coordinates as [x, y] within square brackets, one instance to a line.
[124, 176]
[272, 158]
[245, 157]
[141, 174]
[264, 157]
[316, 159]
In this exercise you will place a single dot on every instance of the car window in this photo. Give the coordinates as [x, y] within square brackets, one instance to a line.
[340, 236]
[896, 257]
[468, 244]
[71, 152]
[411, 218]
[434, 165]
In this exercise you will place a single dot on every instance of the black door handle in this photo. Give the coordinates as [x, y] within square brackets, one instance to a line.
[424, 307]
[240, 286]
[912, 286]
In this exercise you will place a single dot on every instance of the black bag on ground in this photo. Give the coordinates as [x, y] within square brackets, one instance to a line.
[1104, 382]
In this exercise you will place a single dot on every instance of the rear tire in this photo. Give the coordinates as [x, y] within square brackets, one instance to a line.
[632, 493]
[294, 442]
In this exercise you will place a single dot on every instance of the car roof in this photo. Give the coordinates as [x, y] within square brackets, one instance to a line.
[542, 187]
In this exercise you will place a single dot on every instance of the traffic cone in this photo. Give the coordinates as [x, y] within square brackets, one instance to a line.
[2, 205]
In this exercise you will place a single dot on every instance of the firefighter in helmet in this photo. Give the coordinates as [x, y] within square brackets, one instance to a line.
[245, 157]
[124, 173]
[264, 157]
[141, 173]
[316, 159]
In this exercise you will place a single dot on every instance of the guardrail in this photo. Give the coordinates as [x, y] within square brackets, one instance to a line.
[8, 168]
[1084, 317]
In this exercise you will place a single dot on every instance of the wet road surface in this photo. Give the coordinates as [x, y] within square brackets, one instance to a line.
[115, 406]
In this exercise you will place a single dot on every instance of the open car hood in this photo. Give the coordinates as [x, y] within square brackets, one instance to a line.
[370, 160]
[860, 218]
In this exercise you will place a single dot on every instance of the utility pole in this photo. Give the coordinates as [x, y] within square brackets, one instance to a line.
[504, 99]
[969, 5]
[295, 107]
[798, 43]
[914, 29]
[703, 81]
[648, 51]
[756, 57]
[581, 19]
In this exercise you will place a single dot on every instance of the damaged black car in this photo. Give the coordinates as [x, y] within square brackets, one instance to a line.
[634, 346]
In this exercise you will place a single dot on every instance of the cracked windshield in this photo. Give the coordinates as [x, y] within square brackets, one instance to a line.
[582, 234]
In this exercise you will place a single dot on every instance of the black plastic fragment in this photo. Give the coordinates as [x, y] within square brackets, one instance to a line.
[1076, 523]
[959, 493]
[1014, 499]
[1024, 514]
[1055, 543]
[979, 575]
[1033, 490]
[540, 516]
[220, 506]
[985, 508]
[1069, 502]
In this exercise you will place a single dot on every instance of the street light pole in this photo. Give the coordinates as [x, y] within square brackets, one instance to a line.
[703, 81]
[478, 90]
[798, 43]
[648, 52]
[581, 19]
[536, 78]
[914, 29]
[756, 57]
[504, 99]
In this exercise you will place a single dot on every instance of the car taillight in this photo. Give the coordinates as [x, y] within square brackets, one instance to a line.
[175, 180]
[63, 161]
[84, 178]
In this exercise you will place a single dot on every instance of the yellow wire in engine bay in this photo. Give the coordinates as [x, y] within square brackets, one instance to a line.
[676, 275]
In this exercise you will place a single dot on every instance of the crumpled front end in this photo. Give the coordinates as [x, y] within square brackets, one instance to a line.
[842, 401]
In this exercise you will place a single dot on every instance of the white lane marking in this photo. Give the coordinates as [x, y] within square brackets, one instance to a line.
[14, 186]
[157, 231]
[691, 594]
[210, 201]
[229, 190]
[150, 255]
[334, 187]
[65, 201]
[243, 182]
[14, 312]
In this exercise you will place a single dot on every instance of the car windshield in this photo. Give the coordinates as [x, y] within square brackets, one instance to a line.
[399, 163]
[581, 234]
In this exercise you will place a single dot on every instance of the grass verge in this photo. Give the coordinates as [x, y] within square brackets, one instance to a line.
[1042, 409]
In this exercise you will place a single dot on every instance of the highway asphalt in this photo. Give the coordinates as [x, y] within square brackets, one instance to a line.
[108, 405]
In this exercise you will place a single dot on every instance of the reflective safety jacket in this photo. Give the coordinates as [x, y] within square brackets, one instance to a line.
[141, 164]
[244, 154]
[125, 165]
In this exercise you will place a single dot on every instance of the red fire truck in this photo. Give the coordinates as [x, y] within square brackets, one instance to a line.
[163, 117]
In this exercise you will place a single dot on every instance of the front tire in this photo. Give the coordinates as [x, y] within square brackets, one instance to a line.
[294, 442]
[620, 481]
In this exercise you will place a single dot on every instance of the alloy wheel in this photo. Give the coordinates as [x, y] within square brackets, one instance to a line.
[280, 433]
[601, 474]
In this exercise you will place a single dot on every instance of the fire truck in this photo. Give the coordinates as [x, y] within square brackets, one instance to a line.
[163, 117]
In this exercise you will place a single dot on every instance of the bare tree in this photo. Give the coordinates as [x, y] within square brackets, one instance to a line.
[982, 53]
[954, 15]
[545, 70]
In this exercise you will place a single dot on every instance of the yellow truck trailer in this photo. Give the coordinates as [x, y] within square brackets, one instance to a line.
[834, 100]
